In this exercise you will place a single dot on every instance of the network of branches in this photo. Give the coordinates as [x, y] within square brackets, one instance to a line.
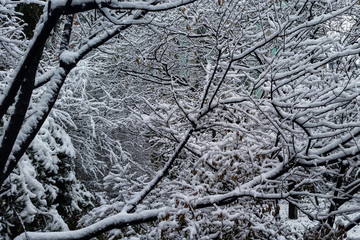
[189, 119]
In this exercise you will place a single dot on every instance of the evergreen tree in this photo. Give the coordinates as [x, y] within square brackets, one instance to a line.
[43, 193]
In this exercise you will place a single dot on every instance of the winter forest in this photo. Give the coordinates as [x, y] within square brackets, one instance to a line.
[179, 119]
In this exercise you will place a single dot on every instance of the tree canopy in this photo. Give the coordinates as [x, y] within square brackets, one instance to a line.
[182, 119]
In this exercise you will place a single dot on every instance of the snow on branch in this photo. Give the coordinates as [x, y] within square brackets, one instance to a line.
[117, 221]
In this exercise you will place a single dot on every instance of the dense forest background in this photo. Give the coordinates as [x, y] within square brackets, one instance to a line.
[190, 119]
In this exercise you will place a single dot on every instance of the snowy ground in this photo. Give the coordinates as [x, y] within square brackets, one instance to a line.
[302, 223]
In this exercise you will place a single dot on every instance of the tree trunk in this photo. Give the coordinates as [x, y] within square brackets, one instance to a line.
[293, 211]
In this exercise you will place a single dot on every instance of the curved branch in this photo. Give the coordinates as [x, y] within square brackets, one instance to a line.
[117, 221]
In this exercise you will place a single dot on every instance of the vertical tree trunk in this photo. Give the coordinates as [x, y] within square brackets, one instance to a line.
[293, 211]
[335, 204]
